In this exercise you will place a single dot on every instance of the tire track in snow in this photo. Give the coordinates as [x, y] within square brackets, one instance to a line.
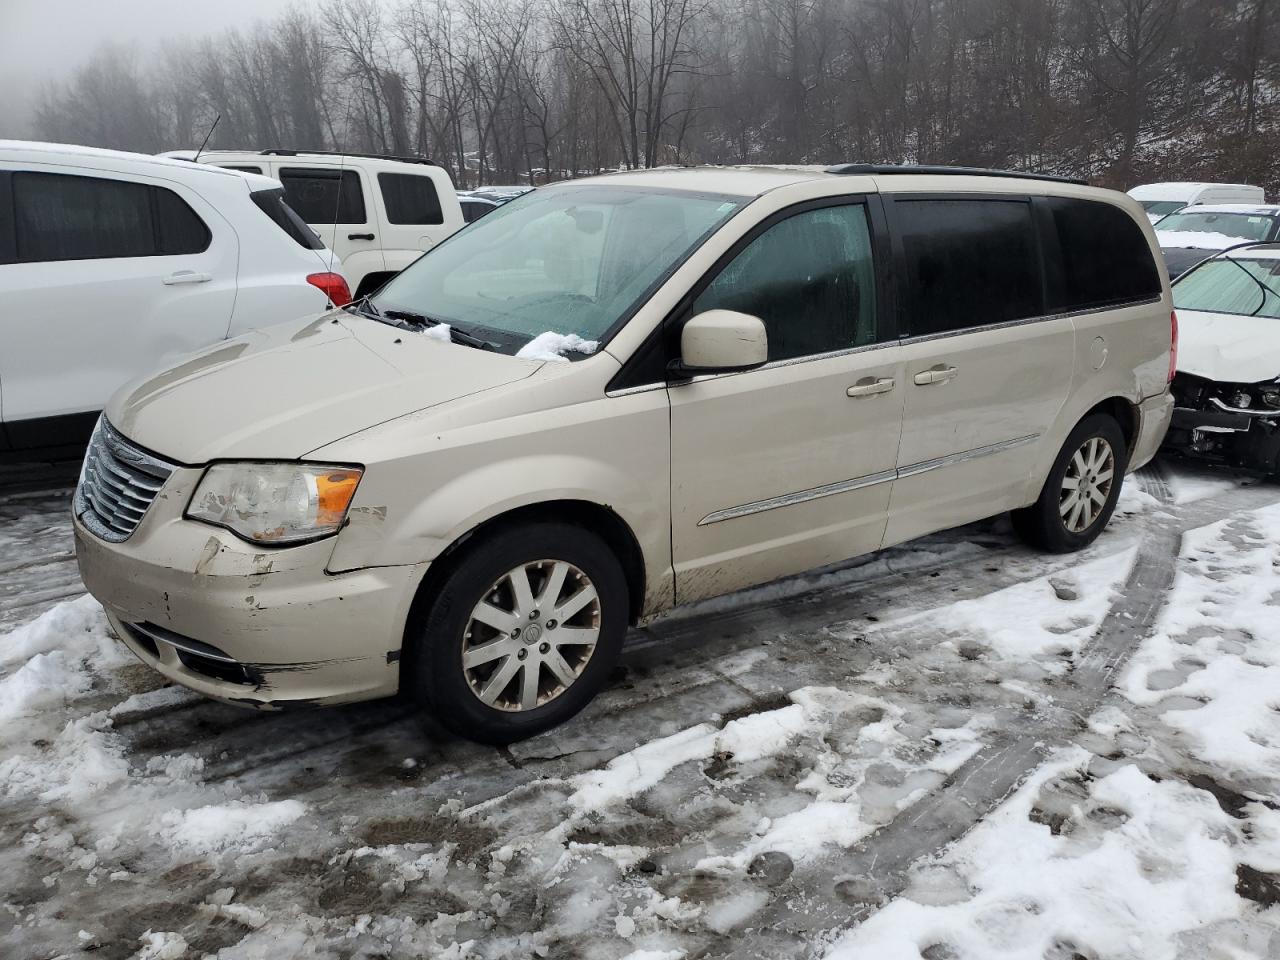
[879, 864]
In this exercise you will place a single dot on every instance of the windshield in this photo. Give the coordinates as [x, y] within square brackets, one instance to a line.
[1161, 207]
[1250, 287]
[1243, 226]
[569, 262]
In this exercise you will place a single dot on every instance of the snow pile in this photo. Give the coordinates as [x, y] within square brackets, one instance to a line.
[1128, 870]
[55, 748]
[438, 332]
[1197, 239]
[553, 346]
[45, 667]
[218, 826]
[1187, 486]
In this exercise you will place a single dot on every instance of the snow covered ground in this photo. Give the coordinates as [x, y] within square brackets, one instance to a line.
[954, 750]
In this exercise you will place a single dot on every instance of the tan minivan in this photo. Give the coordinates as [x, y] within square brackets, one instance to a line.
[613, 396]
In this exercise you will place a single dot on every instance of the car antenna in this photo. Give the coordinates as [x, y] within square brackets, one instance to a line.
[337, 194]
[196, 158]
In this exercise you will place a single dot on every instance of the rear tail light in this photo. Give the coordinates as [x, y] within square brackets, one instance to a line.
[1173, 344]
[334, 287]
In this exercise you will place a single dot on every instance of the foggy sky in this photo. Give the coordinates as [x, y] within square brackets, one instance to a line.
[44, 40]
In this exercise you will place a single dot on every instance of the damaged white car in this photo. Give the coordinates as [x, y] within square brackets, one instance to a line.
[1227, 387]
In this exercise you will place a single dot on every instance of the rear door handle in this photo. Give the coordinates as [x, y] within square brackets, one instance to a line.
[359, 236]
[938, 374]
[186, 276]
[869, 387]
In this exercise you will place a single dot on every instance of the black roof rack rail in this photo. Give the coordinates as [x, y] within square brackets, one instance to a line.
[880, 169]
[277, 152]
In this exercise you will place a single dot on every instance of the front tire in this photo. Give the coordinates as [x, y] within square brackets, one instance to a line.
[522, 634]
[1081, 491]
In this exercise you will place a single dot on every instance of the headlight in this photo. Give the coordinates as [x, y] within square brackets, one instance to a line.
[275, 503]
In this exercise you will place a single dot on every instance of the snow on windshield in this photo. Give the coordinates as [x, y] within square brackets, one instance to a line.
[553, 346]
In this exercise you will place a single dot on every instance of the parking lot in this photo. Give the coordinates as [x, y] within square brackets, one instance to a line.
[953, 748]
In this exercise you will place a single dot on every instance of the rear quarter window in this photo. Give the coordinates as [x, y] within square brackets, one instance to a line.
[410, 199]
[278, 211]
[1103, 255]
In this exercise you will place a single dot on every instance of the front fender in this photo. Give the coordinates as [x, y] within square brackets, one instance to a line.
[464, 502]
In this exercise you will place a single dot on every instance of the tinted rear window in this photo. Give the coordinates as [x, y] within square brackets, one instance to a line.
[410, 198]
[272, 203]
[969, 263]
[1105, 256]
[473, 210]
[324, 196]
[63, 217]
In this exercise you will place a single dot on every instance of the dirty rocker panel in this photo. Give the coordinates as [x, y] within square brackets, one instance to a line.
[858, 483]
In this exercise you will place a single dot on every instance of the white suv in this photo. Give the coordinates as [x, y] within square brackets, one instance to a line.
[612, 396]
[379, 213]
[114, 263]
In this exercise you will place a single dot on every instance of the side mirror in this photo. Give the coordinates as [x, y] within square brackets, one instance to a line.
[720, 341]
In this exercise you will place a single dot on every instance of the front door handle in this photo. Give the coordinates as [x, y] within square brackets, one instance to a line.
[186, 276]
[869, 387]
[359, 236]
[938, 374]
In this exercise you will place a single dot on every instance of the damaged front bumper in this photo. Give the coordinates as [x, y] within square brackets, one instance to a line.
[1232, 424]
[247, 625]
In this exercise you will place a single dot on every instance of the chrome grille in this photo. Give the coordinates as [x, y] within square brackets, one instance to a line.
[117, 484]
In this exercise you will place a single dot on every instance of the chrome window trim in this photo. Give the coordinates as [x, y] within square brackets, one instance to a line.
[771, 365]
[869, 480]
[1042, 318]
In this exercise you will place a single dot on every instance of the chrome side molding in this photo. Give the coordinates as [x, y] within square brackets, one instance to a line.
[869, 480]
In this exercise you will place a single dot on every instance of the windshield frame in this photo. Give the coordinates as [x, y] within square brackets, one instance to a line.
[742, 201]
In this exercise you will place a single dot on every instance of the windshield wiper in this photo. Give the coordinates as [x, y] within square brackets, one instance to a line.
[1266, 289]
[411, 319]
[366, 308]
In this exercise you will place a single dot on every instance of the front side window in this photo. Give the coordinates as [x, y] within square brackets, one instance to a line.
[969, 263]
[410, 199]
[1222, 226]
[1240, 285]
[322, 195]
[571, 259]
[1105, 257]
[63, 217]
[810, 278]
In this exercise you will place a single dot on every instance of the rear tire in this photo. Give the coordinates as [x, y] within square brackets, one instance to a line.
[497, 658]
[1081, 491]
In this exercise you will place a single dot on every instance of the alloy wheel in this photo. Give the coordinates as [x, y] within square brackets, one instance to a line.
[531, 635]
[1087, 484]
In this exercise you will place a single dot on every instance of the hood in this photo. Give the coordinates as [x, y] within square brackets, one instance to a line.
[1228, 348]
[283, 391]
